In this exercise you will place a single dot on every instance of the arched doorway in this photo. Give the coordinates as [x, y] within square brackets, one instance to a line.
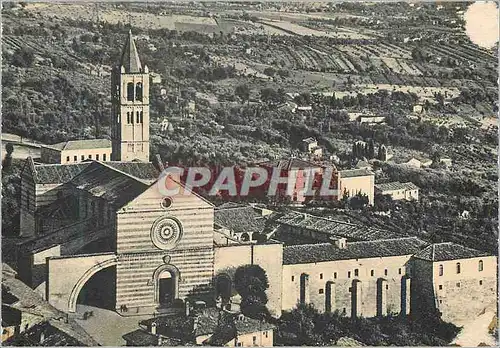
[166, 279]
[100, 290]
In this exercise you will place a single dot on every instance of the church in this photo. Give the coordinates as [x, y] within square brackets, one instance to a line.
[85, 218]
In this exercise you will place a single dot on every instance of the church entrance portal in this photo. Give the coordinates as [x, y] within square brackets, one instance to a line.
[166, 288]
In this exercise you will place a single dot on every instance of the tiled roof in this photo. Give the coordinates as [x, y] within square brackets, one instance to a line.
[82, 144]
[249, 325]
[239, 218]
[61, 209]
[312, 253]
[140, 170]
[102, 181]
[145, 339]
[290, 163]
[351, 173]
[334, 228]
[448, 251]
[57, 173]
[393, 186]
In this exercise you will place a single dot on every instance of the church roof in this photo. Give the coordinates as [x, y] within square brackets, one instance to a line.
[448, 251]
[140, 170]
[130, 58]
[82, 144]
[351, 173]
[113, 186]
[290, 163]
[312, 253]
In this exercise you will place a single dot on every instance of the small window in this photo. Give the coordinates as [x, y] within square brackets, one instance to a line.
[141, 117]
[399, 270]
[167, 202]
[265, 334]
[480, 266]
[349, 274]
[83, 157]
[254, 339]
[441, 270]
[67, 158]
[458, 268]
[293, 278]
[97, 157]
[440, 287]
[75, 158]
[480, 282]
[440, 301]
[387, 287]
[104, 157]
[128, 118]
[138, 119]
[344, 311]
[90, 156]
[334, 275]
[321, 291]
[321, 276]
[130, 91]
[372, 272]
[356, 272]
[385, 271]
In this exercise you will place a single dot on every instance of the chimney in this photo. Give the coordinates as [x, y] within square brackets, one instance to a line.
[153, 328]
[341, 243]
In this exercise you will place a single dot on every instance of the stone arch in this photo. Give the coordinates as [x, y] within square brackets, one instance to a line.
[84, 278]
[176, 275]
[245, 237]
[223, 286]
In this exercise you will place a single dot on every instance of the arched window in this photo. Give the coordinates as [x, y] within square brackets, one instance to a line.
[458, 267]
[481, 265]
[441, 270]
[130, 91]
[141, 119]
[138, 119]
[128, 117]
[138, 91]
[356, 272]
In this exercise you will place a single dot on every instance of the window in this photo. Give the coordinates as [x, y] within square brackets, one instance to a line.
[128, 117]
[75, 158]
[399, 270]
[90, 156]
[440, 287]
[265, 334]
[83, 157]
[130, 147]
[440, 301]
[67, 158]
[387, 287]
[480, 267]
[141, 118]
[349, 274]
[334, 275]
[103, 156]
[356, 272]
[321, 276]
[480, 282]
[293, 278]
[372, 272]
[321, 291]
[138, 91]
[254, 340]
[385, 271]
[97, 157]
[130, 91]
[458, 267]
[458, 285]
[239, 344]
[137, 119]
[343, 310]
[441, 270]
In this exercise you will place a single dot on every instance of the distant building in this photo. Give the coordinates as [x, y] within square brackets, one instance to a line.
[75, 151]
[236, 221]
[354, 181]
[419, 163]
[418, 109]
[155, 78]
[371, 119]
[310, 145]
[398, 190]
[446, 161]
[456, 280]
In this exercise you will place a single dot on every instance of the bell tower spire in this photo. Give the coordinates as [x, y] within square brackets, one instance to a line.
[130, 106]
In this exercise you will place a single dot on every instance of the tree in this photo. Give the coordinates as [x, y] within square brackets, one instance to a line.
[250, 281]
[371, 149]
[7, 161]
[23, 57]
[243, 92]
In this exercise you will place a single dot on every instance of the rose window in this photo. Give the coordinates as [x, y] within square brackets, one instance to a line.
[166, 232]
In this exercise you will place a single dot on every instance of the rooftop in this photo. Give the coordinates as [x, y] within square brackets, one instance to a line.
[393, 186]
[239, 218]
[312, 253]
[351, 173]
[146, 339]
[448, 251]
[82, 144]
[130, 57]
[335, 228]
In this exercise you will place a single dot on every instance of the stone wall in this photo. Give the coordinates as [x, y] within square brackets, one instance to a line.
[336, 285]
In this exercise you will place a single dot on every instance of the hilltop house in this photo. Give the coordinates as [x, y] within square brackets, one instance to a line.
[398, 191]
[75, 151]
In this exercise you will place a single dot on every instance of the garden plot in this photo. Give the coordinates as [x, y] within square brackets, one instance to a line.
[422, 92]
[296, 29]
[393, 64]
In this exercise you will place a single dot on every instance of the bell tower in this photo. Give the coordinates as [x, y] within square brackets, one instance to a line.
[130, 107]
